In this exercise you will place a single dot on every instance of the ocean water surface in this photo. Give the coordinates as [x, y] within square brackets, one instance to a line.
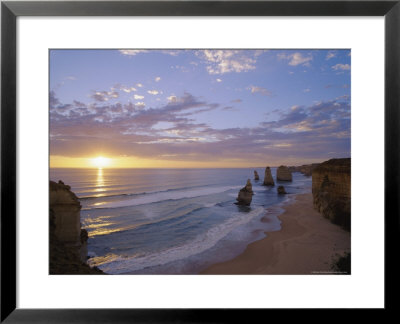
[172, 221]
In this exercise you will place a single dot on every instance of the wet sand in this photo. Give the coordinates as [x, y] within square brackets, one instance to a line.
[306, 244]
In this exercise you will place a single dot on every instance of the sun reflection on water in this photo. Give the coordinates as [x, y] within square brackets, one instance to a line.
[100, 181]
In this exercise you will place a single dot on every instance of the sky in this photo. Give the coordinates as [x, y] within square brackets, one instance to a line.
[198, 108]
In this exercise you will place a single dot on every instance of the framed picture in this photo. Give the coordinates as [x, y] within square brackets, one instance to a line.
[173, 143]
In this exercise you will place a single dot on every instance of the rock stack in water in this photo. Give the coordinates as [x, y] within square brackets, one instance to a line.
[281, 190]
[283, 174]
[245, 194]
[268, 180]
[256, 177]
[331, 189]
[68, 242]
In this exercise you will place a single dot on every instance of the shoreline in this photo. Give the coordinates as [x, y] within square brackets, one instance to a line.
[307, 243]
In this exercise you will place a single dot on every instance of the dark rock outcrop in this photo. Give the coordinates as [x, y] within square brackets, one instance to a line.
[268, 180]
[256, 177]
[66, 208]
[331, 189]
[281, 190]
[68, 242]
[245, 194]
[283, 174]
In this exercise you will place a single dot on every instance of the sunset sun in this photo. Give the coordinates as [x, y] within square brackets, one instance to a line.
[100, 162]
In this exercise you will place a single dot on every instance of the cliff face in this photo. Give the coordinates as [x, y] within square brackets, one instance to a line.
[68, 243]
[331, 188]
[66, 208]
[283, 174]
[305, 169]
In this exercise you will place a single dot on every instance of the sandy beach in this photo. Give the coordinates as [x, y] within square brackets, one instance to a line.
[306, 244]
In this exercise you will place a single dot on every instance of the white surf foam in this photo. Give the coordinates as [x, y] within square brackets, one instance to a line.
[166, 195]
[115, 264]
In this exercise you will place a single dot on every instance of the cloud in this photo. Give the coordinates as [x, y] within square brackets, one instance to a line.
[310, 133]
[172, 52]
[296, 58]
[230, 108]
[53, 100]
[140, 105]
[226, 61]
[132, 52]
[139, 85]
[343, 67]
[123, 88]
[307, 90]
[157, 79]
[218, 80]
[153, 92]
[102, 96]
[172, 98]
[327, 117]
[138, 97]
[330, 55]
[260, 90]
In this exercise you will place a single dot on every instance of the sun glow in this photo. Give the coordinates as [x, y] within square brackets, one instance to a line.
[100, 162]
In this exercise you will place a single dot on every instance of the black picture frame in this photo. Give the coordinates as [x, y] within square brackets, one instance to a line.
[10, 10]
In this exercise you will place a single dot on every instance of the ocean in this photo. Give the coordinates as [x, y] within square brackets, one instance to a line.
[173, 221]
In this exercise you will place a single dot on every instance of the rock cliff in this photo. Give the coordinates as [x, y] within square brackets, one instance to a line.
[256, 177]
[331, 189]
[305, 169]
[68, 242]
[283, 174]
[245, 194]
[268, 180]
[66, 208]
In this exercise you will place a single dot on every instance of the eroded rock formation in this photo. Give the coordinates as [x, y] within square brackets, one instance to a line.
[268, 180]
[331, 188]
[66, 208]
[256, 177]
[283, 174]
[68, 242]
[245, 194]
[281, 190]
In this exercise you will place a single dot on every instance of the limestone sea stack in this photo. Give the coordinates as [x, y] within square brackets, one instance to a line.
[331, 189]
[268, 180]
[245, 194]
[256, 177]
[68, 242]
[283, 174]
[281, 190]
